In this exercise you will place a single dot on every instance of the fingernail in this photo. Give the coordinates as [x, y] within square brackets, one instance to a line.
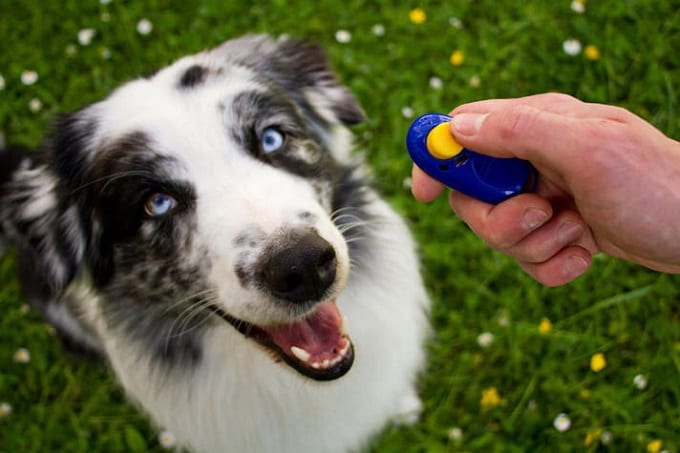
[575, 265]
[569, 232]
[533, 218]
[467, 123]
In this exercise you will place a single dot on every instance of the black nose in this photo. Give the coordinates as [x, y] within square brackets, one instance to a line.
[300, 267]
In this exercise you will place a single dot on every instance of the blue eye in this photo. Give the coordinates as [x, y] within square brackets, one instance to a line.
[159, 204]
[272, 140]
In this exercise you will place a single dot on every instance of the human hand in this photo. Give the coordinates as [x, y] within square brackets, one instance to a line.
[609, 182]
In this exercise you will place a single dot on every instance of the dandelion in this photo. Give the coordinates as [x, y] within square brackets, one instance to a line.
[562, 423]
[578, 6]
[457, 57]
[591, 437]
[545, 326]
[490, 398]
[144, 27]
[105, 17]
[475, 81]
[640, 381]
[378, 29]
[35, 105]
[86, 35]
[455, 434]
[606, 438]
[571, 47]
[343, 36]
[25, 309]
[2, 82]
[167, 440]
[104, 2]
[654, 446]
[407, 112]
[406, 183]
[436, 83]
[485, 339]
[417, 16]
[5, 409]
[29, 77]
[591, 52]
[22, 356]
[598, 362]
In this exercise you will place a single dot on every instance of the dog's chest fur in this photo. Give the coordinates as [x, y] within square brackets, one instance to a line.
[207, 231]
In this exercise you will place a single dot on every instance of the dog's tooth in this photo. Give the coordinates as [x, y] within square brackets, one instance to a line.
[300, 353]
[344, 327]
[316, 365]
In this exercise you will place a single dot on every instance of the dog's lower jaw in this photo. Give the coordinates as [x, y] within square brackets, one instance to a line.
[317, 346]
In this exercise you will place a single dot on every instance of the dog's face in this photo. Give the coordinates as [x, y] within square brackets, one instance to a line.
[215, 191]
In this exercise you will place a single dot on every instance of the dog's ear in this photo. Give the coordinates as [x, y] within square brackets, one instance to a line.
[68, 146]
[46, 233]
[302, 69]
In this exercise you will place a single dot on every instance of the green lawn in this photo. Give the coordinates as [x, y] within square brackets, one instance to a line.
[396, 67]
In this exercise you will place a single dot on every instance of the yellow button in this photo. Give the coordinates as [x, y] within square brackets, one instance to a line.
[441, 144]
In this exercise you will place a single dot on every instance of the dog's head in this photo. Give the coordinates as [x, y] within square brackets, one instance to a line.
[220, 185]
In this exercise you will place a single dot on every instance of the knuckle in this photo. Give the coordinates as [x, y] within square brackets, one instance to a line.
[517, 122]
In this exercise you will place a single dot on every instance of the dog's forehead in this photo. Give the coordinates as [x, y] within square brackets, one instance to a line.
[170, 99]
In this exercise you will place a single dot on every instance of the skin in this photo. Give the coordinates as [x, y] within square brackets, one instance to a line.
[609, 183]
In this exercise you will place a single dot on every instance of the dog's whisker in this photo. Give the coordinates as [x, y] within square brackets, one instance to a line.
[110, 178]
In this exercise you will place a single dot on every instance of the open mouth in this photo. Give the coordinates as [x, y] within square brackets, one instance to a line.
[316, 346]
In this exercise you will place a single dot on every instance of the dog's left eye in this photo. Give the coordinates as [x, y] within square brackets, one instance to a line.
[272, 140]
[159, 204]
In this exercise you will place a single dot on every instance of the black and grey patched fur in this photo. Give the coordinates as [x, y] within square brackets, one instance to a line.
[208, 232]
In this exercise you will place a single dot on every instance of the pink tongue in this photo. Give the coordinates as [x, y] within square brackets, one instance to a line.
[318, 334]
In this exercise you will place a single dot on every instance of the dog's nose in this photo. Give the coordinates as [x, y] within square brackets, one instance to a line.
[300, 267]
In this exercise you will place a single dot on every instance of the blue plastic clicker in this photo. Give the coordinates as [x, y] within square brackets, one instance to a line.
[489, 179]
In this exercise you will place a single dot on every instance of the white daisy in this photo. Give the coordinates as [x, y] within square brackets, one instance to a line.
[378, 29]
[578, 6]
[29, 77]
[455, 22]
[485, 339]
[86, 35]
[144, 27]
[5, 409]
[455, 433]
[571, 47]
[35, 105]
[166, 439]
[640, 381]
[407, 112]
[436, 83]
[562, 423]
[343, 36]
[22, 356]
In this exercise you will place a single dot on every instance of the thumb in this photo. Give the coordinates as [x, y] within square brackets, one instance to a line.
[545, 138]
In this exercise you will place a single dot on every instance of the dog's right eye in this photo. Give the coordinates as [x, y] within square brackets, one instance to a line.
[272, 140]
[159, 204]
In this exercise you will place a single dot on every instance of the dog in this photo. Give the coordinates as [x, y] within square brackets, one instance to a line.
[209, 232]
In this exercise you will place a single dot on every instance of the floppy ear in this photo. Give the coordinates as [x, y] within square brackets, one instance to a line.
[47, 233]
[68, 147]
[302, 69]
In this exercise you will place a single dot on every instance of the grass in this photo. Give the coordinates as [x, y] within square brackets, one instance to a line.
[511, 48]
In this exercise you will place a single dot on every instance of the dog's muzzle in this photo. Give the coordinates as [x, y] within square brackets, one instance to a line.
[299, 269]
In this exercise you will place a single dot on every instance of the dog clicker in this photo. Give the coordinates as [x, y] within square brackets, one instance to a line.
[489, 179]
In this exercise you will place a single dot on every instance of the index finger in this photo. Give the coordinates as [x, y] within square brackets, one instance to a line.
[424, 188]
